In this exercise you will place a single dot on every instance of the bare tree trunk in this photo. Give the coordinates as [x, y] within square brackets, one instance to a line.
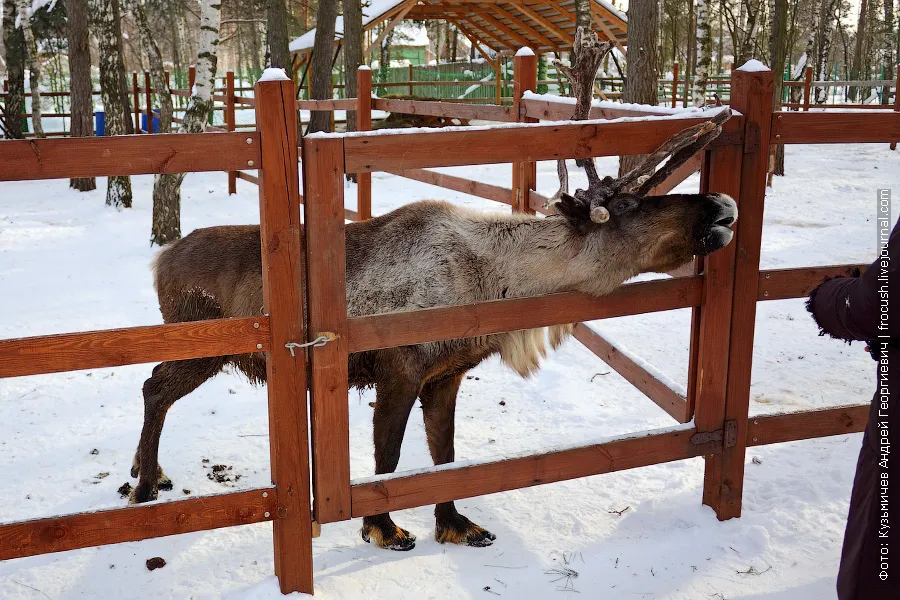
[118, 190]
[14, 44]
[777, 38]
[166, 216]
[120, 67]
[824, 33]
[352, 49]
[320, 75]
[704, 53]
[276, 17]
[856, 70]
[167, 188]
[643, 65]
[887, 49]
[34, 67]
[82, 105]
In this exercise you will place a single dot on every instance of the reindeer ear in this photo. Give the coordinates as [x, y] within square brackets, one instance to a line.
[575, 210]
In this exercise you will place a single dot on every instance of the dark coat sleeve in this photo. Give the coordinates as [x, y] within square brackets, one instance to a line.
[848, 308]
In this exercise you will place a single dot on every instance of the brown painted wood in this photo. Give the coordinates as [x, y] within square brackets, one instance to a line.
[780, 284]
[526, 142]
[346, 104]
[364, 123]
[282, 268]
[447, 109]
[230, 121]
[127, 155]
[456, 482]
[246, 100]
[662, 395]
[323, 180]
[678, 176]
[714, 330]
[790, 127]
[135, 91]
[459, 184]
[247, 177]
[751, 94]
[495, 316]
[524, 173]
[808, 424]
[807, 92]
[537, 202]
[134, 523]
[115, 347]
[148, 100]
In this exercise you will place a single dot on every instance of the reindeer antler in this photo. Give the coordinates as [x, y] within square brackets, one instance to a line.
[643, 178]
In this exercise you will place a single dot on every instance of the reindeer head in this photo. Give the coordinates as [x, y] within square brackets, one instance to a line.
[659, 233]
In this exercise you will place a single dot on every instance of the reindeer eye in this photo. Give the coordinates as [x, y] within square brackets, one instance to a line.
[623, 205]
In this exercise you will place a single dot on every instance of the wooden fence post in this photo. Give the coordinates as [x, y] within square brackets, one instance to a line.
[364, 123]
[230, 124]
[135, 90]
[752, 96]
[674, 84]
[411, 76]
[807, 90]
[282, 268]
[192, 77]
[524, 173]
[148, 98]
[323, 183]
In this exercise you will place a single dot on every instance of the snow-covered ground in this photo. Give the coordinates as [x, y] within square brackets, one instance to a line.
[69, 263]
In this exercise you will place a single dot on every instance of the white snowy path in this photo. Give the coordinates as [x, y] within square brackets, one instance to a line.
[69, 263]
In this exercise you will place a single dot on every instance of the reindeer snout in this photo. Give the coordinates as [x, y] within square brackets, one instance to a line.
[725, 210]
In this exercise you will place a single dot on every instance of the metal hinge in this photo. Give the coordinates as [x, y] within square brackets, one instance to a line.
[728, 436]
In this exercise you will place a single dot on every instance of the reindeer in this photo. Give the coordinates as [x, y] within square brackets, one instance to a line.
[428, 254]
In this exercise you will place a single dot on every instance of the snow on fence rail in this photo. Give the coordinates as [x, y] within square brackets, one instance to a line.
[723, 296]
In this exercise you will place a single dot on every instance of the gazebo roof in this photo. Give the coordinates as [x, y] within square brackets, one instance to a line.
[501, 25]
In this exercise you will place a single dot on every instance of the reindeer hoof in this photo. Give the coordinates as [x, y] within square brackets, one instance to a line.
[399, 539]
[464, 532]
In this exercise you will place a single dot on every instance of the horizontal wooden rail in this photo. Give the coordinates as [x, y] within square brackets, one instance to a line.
[485, 112]
[133, 345]
[808, 424]
[671, 401]
[454, 482]
[127, 155]
[853, 106]
[245, 100]
[183, 93]
[459, 184]
[247, 177]
[135, 523]
[781, 284]
[848, 83]
[548, 110]
[496, 316]
[821, 127]
[348, 104]
[399, 150]
[538, 202]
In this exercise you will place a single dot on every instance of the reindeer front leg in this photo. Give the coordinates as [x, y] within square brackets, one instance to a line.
[439, 407]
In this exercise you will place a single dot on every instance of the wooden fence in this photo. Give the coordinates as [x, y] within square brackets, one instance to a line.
[723, 295]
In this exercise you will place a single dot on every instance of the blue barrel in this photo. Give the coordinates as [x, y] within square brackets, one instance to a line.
[100, 123]
[155, 121]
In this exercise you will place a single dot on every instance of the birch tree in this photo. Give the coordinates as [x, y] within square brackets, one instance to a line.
[80, 86]
[34, 66]
[167, 188]
[118, 189]
[14, 44]
[704, 53]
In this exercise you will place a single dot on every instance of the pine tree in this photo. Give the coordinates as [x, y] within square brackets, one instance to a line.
[353, 52]
[320, 76]
[643, 61]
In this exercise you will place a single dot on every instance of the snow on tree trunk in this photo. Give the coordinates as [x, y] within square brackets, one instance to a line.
[643, 66]
[167, 188]
[34, 67]
[320, 69]
[704, 53]
[80, 86]
[353, 53]
[118, 189]
[14, 44]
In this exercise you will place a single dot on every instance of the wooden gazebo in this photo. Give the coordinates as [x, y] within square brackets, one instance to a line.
[503, 26]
